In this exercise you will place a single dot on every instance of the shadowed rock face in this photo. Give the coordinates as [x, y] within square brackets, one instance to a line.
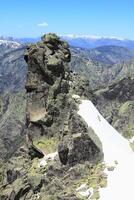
[79, 148]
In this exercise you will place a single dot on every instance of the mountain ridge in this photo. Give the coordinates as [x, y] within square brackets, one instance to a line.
[89, 42]
[83, 41]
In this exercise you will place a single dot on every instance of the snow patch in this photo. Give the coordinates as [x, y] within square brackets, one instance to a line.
[117, 153]
[75, 96]
[49, 157]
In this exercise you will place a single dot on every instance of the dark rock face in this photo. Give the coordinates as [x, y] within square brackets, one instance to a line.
[79, 148]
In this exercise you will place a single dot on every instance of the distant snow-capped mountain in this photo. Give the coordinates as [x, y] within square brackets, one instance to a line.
[91, 37]
[87, 41]
[9, 43]
[82, 41]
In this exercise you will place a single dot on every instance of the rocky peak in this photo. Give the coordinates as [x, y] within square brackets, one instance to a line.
[48, 57]
[47, 81]
[53, 128]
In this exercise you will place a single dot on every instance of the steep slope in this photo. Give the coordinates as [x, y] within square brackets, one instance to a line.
[12, 99]
[116, 150]
[12, 122]
[12, 70]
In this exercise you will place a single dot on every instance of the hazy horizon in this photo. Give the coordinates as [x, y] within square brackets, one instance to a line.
[71, 36]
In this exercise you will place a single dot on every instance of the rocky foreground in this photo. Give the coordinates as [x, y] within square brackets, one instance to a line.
[59, 152]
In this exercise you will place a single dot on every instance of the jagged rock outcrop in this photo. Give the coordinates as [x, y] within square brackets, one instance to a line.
[47, 85]
[51, 117]
[48, 107]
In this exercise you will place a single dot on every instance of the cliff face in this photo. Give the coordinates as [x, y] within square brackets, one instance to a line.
[47, 85]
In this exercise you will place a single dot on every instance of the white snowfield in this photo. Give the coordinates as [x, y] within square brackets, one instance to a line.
[116, 148]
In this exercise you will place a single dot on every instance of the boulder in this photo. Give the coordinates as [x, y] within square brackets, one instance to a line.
[79, 148]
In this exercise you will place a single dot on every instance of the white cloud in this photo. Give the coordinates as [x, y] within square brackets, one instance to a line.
[43, 24]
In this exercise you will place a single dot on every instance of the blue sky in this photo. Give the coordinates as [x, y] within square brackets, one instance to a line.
[32, 18]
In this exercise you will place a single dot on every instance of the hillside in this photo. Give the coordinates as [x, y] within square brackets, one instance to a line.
[7, 45]
[98, 73]
[12, 70]
[12, 99]
[111, 54]
[12, 122]
[116, 103]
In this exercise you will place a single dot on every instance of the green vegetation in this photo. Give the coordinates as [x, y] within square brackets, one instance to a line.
[96, 178]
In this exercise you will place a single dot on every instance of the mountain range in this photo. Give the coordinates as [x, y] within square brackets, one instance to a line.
[89, 42]
[103, 65]
[100, 65]
[83, 41]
